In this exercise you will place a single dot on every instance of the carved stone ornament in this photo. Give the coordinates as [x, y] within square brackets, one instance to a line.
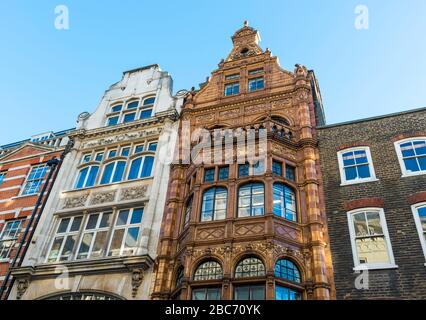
[133, 193]
[23, 284]
[75, 202]
[103, 197]
[122, 137]
[137, 278]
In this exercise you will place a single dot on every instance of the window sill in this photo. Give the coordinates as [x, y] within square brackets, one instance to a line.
[413, 174]
[99, 186]
[5, 260]
[25, 196]
[349, 183]
[376, 267]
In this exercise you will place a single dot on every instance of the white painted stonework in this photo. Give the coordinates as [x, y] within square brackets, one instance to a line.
[124, 275]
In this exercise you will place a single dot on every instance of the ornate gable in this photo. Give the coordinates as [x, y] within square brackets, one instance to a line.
[246, 43]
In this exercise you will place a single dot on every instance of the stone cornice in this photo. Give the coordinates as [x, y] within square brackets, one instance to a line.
[98, 266]
[126, 127]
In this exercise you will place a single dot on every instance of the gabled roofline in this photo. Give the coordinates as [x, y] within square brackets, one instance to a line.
[155, 65]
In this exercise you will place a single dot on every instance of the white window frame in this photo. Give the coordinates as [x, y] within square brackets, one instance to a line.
[126, 228]
[343, 180]
[404, 171]
[370, 266]
[95, 232]
[65, 235]
[27, 180]
[415, 209]
[89, 168]
[14, 239]
[115, 162]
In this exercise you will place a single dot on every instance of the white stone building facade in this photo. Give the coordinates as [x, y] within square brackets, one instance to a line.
[98, 235]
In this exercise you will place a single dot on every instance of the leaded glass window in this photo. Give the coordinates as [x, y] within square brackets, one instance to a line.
[209, 270]
[285, 269]
[249, 268]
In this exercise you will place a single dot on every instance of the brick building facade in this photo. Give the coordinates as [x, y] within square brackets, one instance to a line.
[23, 172]
[374, 173]
[247, 229]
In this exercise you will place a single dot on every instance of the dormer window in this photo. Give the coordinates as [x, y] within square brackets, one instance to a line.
[232, 89]
[133, 105]
[232, 77]
[117, 108]
[256, 84]
[255, 71]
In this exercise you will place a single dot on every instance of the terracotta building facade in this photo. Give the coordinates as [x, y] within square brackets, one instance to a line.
[23, 173]
[374, 173]
[240, 228]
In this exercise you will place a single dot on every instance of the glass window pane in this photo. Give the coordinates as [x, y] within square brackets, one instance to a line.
[372, 250]
[223, 173]
[81, 177]
[147, 167]
[199, 294]
[145, 114]
[407, 150]
[149, 101]
[54, 251]
[91, 179]
[422, 163]
[290, 173]
[213, 294]
[106, 220]
[152, 147]
[129, 117]
[116, 108]
[134, 169]
[420, 147]
[242, 293]
[374, 225]
[133, 105]
[258, 293]
[364, 171]
[63, 225]
[106, 178]
[83, 252]
[112, 121]
[360, 156]
[422, 215]
[360, 224]
[68, 247]
[136, 216]
[99, 244]
[122, 217]
[351, 173]
[411, 165]
[348, 159]
[76, 224]
[119, 171]
[93, 220]
[132, 238]
[116, 242]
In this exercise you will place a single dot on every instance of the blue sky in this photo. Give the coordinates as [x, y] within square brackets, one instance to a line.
[49, 76]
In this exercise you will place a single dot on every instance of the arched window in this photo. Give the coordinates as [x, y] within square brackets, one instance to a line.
[188, 211]
[250, 267]
[84, 296]
[287, 270]
[251, 200]
[209, 270]
[179, 276]
[141, 168]
[214, 204]
[280, 120]
[284, 202]
[113, 172]
[87, 177]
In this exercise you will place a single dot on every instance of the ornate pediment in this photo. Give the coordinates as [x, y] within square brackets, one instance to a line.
[246, 43]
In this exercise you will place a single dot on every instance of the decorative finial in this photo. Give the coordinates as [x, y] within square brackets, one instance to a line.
[246, 23]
